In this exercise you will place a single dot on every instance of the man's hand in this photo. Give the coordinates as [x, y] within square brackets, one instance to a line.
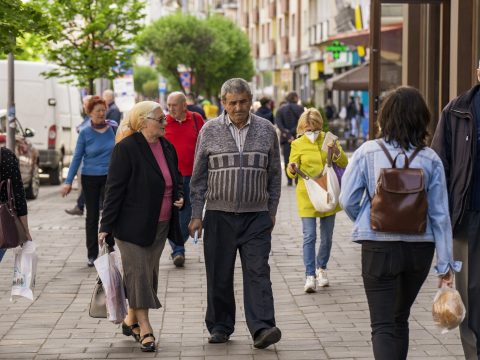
[195, 225]
[273, 222]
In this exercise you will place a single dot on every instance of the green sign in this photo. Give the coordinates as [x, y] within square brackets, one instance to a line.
[336, 47]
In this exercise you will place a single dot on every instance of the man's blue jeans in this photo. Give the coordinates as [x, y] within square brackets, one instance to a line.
[309, 240]
[185, 215]
[2, 253]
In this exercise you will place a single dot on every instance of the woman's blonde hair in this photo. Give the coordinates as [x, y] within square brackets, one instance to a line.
[134, 119]
[311, 118]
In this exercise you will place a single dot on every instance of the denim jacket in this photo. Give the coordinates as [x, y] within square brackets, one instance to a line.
[361, 175]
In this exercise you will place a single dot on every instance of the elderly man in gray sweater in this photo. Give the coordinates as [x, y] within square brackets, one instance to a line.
[237, 173]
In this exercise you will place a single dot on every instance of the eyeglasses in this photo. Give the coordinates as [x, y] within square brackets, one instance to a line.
[161, 119]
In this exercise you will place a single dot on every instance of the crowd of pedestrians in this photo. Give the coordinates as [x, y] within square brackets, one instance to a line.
[169, 176]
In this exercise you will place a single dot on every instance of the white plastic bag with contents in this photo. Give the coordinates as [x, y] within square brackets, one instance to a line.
[24, 270]
[108, 268]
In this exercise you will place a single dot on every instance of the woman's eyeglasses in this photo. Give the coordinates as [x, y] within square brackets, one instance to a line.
[161, 119]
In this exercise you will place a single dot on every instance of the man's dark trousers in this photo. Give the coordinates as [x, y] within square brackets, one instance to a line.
[250, 233]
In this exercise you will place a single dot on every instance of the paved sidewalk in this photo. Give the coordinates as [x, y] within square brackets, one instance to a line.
[330, 324]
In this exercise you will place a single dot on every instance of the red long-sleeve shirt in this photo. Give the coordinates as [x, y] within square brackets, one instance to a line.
[183, 136]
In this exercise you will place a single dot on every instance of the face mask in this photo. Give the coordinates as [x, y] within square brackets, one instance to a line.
[312, 135]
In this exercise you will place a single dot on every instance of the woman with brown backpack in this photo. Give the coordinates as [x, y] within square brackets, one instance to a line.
[394, 190]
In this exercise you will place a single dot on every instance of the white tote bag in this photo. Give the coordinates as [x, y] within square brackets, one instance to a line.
[323, 191]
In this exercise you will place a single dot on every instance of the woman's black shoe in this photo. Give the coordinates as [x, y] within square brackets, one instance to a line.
[127, 330]
[149, 346]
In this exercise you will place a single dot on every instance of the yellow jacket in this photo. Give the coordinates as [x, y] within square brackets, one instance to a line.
[311, 159]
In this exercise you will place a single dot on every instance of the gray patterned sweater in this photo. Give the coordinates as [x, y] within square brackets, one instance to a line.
[230, 181]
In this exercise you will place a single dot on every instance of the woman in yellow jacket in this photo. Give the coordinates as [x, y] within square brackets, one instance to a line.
[307, 155]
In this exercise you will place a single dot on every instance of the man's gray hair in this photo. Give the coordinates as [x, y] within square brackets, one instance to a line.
[235, 86]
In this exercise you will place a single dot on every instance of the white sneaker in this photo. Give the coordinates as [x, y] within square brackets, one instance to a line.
[310, 284]
[322, 278]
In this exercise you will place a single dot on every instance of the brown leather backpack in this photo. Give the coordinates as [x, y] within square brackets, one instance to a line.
[399, 204]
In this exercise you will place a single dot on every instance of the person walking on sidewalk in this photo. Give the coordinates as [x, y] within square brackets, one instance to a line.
[396, 264]
[113, 112]
[237, 173]
[457, 142]
[182, 131]
[94, 147]
[10, 170]
[80, 205]
[286, 119]
[308, 156]
[143, 196]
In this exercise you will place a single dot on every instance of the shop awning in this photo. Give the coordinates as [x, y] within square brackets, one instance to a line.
[357, 78]
[391, 37]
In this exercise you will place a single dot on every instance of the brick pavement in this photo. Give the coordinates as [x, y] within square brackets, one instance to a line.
[330, 324]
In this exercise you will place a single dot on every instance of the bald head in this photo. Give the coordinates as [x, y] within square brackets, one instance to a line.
[108, 96]
[177, 105]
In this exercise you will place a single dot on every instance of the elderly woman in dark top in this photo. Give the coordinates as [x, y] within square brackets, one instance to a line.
[142, 199]
[9, 169]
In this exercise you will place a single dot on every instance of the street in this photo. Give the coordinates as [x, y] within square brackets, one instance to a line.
[332, 323]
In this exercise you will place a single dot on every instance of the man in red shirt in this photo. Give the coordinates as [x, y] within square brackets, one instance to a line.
[182, 131]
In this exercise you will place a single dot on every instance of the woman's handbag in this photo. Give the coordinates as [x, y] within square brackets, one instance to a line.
[324, 190]
[98, 303]
[12, 231]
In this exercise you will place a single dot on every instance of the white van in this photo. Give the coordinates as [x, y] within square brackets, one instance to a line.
[50, 108]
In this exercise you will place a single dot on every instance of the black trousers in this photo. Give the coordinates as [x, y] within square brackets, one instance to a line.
[93, 189]
[249, 233]
[466, 248]
[287, 147]
[393, 273]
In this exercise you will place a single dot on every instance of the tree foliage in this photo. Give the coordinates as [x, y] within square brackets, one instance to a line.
[142, 75]
[94, 38]
[214, 50]
[18, 19]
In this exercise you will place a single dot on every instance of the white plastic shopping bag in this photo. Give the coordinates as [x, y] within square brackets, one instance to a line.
[324, 191]
[24, 270]
[108, 269]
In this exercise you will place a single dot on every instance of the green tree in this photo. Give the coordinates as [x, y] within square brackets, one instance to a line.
[214, 50]
[94, 38]
[150, 89]
[142, 75]
[232, 54]
[17, 19]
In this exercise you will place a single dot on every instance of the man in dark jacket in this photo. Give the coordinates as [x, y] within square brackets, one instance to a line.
[456, 141]
[193, 107]
[287, 119]
[265, 110]
[113, 112]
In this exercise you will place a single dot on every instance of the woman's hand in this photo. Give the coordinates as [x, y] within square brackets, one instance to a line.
[66, 189]
[292, 167]
[179, 203]
[446, 279]
[101, 238]
[334, 147]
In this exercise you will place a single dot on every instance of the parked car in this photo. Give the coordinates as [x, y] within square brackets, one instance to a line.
[26, 153]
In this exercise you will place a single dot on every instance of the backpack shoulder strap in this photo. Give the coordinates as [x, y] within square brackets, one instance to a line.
[385, 150]
[415, 153]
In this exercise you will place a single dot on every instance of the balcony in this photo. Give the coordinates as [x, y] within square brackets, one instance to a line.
[284, 44]
[272, 9]
[255, 16]
[255, 51]
[284, 6]
[271, 47]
